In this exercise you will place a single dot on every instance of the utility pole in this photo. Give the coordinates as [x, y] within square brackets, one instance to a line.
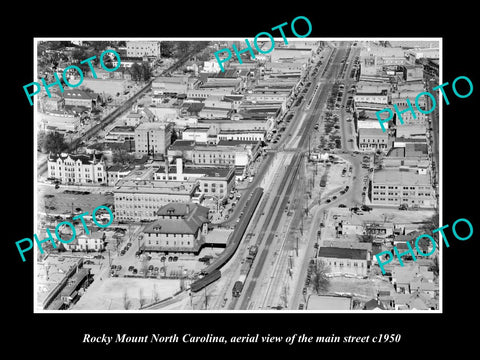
[206, 301]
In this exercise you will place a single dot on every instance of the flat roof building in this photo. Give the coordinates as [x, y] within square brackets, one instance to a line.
[400, 186]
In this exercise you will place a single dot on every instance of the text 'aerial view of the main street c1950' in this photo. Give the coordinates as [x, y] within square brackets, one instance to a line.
[258, 184]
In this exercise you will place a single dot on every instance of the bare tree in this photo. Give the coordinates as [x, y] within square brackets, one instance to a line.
[320, 282]
[155, 295]
[435, 267]
[141, 299]
[144, 267]
[126, 301]
[431, 224]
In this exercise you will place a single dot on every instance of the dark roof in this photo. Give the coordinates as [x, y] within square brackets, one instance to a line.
[343, 253]
[182, 144]
[123, 128]
[229, 73]
[236, 142]
[372, 304]
[189, 218]
[208, 171]
[194, 107]
[79, 94]
[119, 167]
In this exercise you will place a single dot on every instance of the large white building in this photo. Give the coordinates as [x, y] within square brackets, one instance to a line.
[77, 169]
[139, 200]
[143, 48]
[402, 187]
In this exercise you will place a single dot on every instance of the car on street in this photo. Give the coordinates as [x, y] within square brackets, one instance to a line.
[131, 267]
[300, 307]
[342, 206]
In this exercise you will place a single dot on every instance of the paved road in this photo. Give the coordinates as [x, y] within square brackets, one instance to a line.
[298, 141]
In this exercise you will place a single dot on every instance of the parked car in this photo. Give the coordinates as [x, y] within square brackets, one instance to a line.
[304, 292]
[175, 258]
[342, 206]
[131, 267]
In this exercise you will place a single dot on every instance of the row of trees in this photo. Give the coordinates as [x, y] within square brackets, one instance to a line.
[177, 49]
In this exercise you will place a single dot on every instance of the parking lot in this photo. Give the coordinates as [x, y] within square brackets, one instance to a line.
[130, 262]
[62, 201]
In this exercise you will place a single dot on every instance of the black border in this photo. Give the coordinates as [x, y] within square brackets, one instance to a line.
[424, 332]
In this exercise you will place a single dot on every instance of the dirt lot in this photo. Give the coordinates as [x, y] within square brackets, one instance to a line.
[109, 293]
[363, 288]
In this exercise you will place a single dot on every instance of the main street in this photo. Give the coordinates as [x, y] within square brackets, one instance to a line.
[265, 286]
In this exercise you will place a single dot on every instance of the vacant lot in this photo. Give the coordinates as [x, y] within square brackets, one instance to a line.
[125, 293]
[110, 87]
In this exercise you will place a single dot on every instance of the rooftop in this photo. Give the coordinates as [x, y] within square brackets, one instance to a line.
[188, 218]
[343, 253]
[321, 302]
[85, 159]
[400, 177]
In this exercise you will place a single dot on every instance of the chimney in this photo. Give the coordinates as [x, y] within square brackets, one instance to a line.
[179, 166]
